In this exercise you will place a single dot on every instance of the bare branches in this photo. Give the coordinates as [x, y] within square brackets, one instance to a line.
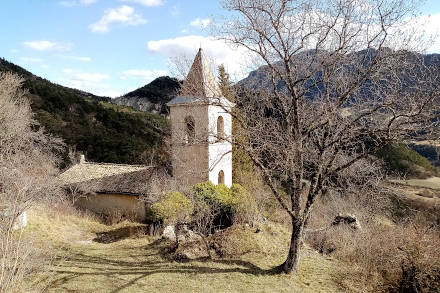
[26, 177]
[344, 79]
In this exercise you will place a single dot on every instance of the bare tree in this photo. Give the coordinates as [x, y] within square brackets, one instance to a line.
[27, 169]
[344, 80]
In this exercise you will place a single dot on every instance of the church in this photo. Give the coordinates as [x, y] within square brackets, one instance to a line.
[201, 150]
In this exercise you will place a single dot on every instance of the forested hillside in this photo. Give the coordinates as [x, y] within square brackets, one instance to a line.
[104, 132]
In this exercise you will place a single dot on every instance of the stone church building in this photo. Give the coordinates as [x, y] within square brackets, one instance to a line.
[201, 129]
[201, 149]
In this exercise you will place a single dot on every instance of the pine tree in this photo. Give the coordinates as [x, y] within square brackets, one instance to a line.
[225, 83]
[243, 169]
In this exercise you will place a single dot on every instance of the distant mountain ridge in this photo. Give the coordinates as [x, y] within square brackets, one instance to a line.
[91, 124]
[261, 77]
[152, 97]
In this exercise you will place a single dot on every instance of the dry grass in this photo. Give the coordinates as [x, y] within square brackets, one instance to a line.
[432, 182]
[129, 261]
[389, 252]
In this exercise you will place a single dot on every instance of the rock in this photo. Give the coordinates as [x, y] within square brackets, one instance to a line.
[190, 245]
[21, 221]
[169, 233]
[347, 219]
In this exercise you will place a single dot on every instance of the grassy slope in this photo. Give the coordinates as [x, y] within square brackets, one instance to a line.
[399, 158]
[137, 263]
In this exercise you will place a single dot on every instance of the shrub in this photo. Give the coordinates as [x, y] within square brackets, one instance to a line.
[229, 200]
[245, 201]
[172, 208]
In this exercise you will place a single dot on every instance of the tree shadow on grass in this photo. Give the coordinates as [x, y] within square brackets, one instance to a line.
[154, 261]
[120, 234]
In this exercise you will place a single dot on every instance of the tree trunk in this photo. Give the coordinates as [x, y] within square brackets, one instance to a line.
[290, 265]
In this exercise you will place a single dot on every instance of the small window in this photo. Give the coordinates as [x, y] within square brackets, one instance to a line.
[220, 129]
[190, 130]
[221, 177]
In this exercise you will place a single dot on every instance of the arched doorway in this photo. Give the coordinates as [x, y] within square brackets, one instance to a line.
[221, 177]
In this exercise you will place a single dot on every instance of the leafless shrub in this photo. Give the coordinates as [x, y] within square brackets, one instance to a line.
[27, 172]
[203, 219]
[160, 182]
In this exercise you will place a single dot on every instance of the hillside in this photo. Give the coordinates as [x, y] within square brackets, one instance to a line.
[104, 132]
[151, 97]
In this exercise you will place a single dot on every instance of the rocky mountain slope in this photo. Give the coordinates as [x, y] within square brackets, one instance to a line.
[151, 97]
[261, 77]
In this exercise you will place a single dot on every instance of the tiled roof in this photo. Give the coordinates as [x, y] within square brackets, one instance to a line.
[109, 178]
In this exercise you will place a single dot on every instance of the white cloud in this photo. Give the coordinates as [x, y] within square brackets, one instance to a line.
[200, 23]
[44, 45]
[72, 3]
[124, 15]
[236, 60]
[89, 77]
[67, 3]
[144, 75]
[87, 2]
[175, 10]
[96, 83]
[81, 58]
[431, 27]
[148, 3]
[31, 60]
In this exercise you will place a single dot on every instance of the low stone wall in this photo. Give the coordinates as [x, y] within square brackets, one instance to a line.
[126, 206]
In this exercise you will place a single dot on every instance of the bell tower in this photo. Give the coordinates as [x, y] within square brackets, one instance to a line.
[201, 129]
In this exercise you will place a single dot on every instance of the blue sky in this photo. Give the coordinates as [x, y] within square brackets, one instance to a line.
[110, 47]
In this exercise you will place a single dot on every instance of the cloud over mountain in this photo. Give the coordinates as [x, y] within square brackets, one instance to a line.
[236, 60]
[45, 45]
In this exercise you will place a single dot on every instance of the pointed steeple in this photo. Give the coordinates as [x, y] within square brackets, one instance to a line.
[200, 81]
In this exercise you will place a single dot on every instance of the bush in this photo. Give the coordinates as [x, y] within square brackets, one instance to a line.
[229, 200]
[172, 208]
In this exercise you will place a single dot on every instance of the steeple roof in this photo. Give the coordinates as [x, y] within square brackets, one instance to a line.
[200, 81]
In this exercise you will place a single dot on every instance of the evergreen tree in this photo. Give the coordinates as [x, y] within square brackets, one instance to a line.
[225, 83]
[242, 166]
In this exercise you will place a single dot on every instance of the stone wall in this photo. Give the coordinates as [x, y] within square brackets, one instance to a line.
[125, 205]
